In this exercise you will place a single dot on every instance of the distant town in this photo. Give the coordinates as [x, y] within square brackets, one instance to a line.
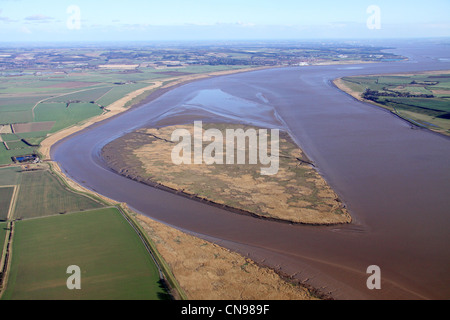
[38, 60]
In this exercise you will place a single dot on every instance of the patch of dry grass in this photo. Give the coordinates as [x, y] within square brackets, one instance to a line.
[206, 271]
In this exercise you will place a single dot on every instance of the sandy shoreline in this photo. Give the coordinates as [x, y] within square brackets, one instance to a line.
[339, 83]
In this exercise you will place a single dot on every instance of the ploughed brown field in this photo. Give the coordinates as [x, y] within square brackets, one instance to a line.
[33, 126]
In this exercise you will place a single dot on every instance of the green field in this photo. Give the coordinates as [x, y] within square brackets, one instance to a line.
[9, 137]
[9, 176]
[86, 95]
[113, 261]
[423, 99]
[2, 236]
[118, 92]
[5, 201]
[63, 116]
[5, 155]
[42, 194]
[19, 144]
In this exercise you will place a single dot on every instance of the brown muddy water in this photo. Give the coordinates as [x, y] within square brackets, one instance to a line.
[395, 180]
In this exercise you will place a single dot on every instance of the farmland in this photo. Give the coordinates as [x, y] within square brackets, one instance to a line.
[422, 99]
[2, 236]
[45, 90]
[6, 194]
[34, 106]
[9, 176]
[113, 261]
[55, 227]
[9, 179]
[42, 194]
[39, 193]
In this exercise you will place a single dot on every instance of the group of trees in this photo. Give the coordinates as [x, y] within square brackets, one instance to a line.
[374, 95]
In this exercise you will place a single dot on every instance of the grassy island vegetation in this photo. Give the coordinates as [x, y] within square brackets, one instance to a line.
[297, 193]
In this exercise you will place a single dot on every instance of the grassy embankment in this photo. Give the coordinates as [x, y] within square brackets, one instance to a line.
[422, 99]
[3, 226]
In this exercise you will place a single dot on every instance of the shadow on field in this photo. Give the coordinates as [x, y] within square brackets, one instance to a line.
[164, 296]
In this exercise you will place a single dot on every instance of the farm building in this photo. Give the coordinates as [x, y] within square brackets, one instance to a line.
[30, 158]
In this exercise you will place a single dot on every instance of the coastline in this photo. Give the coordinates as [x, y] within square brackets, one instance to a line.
[339, 83]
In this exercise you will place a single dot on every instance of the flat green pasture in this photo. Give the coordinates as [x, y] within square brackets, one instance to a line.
[113, 261]
[8, 117]
[39, 98]
[84, 95]
[42, 194]
[19, 144]
[3, 226]
[432, 112]
[5, 201]
[118, 92]
[63, 116]
[9, 176]
[5, 155]
[9, 137]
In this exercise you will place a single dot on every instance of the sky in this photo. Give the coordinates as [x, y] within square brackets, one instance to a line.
[174, 20]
